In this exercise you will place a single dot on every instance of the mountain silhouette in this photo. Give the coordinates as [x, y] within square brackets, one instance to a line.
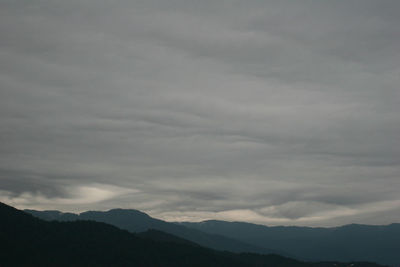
[136, 221]
[29, 241]
[345, 243]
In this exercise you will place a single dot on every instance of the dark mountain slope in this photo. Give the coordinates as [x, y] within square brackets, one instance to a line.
[29, 241]
[136, 221]
[346, 243]
[160, 236]
[350, 242]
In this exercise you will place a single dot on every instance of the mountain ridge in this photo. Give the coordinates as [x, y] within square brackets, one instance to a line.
[29, 241]
[377, 243]
[345, 243]
[136, 221]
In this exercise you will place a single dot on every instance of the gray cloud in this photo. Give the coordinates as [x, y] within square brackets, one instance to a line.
[271, 112]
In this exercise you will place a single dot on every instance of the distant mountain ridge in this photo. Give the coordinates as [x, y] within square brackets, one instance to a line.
[346, 243]
[349, 242]
[29, 241]
[136, 221]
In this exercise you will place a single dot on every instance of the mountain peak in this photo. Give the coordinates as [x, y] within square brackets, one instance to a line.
[117, 211]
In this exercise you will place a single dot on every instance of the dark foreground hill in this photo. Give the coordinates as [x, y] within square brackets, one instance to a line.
[29, 241]
[350, 242]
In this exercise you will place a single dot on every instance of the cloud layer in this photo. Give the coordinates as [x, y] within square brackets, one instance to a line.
[273, 112]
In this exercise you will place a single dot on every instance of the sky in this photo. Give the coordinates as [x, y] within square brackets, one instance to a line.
[271, 112]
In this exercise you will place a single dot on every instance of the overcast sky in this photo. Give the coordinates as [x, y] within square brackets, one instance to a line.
[273, 112]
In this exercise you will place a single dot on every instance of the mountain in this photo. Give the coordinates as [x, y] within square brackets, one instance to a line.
[346, 243]
[160, 236]
[29, 241]
[136, 221]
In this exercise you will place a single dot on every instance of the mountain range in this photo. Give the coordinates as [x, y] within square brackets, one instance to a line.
[345, 243]
[353, 242]
[136, 221]
[29, 241]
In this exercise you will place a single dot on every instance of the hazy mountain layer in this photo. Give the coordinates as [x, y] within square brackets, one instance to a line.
[345, 243]
[350, 242]
[136, 221]
[29, 241]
